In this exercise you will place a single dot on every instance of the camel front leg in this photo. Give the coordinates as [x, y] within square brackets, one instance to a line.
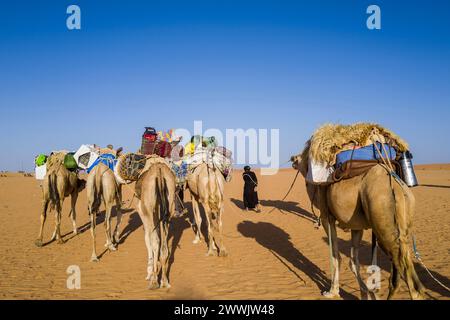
[109, 244]
[73, 214]
[212, 249]
[366, 294]
[217, 233]
[329, 223]
[116, 237]
[43, 218]
[198, 221]
[93, 217]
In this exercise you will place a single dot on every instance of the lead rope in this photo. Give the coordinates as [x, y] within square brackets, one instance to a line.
[290, 188]
[419, 259]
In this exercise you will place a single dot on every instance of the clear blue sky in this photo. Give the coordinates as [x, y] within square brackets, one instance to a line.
[291, 65]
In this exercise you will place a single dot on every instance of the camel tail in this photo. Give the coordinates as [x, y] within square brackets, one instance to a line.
[161, 195]
[53, 189]
[403, 224]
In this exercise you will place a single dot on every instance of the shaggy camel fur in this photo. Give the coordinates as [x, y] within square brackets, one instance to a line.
[58, 184]
[374, 200]
[101, 185]
[206, 186]
[155, 190]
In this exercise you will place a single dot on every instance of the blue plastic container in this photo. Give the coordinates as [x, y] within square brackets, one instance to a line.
[365, 153]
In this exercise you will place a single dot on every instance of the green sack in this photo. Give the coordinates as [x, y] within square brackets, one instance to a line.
[210, 142]
[69, 162]
[40, 160]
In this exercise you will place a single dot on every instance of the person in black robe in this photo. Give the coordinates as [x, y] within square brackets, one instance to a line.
[251, 200]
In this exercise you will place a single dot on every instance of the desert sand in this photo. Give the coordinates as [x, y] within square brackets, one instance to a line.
[276, 255]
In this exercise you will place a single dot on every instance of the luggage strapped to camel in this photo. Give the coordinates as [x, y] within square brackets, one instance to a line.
[217, 157]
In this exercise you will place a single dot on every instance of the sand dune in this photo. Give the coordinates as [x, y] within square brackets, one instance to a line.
[276, 255]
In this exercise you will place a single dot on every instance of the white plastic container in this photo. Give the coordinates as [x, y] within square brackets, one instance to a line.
[319, 173]
[40, 172]
[86, 156]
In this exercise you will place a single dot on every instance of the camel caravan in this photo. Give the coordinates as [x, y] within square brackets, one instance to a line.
[161, 170]
[357, 178]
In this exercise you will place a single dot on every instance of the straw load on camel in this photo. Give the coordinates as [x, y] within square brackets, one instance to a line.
[355, 176]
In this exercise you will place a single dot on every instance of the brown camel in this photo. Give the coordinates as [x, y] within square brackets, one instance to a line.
[101, 185]
[374, 200]
[58, 184]
[206, 186]
[155, 190]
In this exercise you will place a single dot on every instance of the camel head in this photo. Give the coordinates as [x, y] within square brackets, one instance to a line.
[296, 161]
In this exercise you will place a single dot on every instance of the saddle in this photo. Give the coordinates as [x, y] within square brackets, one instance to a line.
[353, 168]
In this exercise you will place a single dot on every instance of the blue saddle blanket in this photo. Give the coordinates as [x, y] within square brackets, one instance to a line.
[107, 159]
[180, 171]
[365, 153]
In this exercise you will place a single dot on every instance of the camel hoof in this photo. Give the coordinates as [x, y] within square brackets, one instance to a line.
[210, 253]
[223, 253]
[417, 296]
[75, 232]
[38, 243]
[165, 285]
[94, 259]
[111, 247]
[153, 285]
[61, 241]
[330, 295]
[196, 240]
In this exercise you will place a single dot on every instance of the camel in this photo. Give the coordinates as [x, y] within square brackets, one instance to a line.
[102, 185]
[58, 184]
[155, 190]
[375, 200]
[206, 186]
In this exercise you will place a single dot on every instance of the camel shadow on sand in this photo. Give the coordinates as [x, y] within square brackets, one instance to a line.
[85, 227]
[278, 242]
[365, 257]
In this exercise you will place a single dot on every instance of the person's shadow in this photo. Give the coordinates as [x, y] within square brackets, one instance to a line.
[277, 241]
[289, 207]
[283, 206]
[383, 261]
